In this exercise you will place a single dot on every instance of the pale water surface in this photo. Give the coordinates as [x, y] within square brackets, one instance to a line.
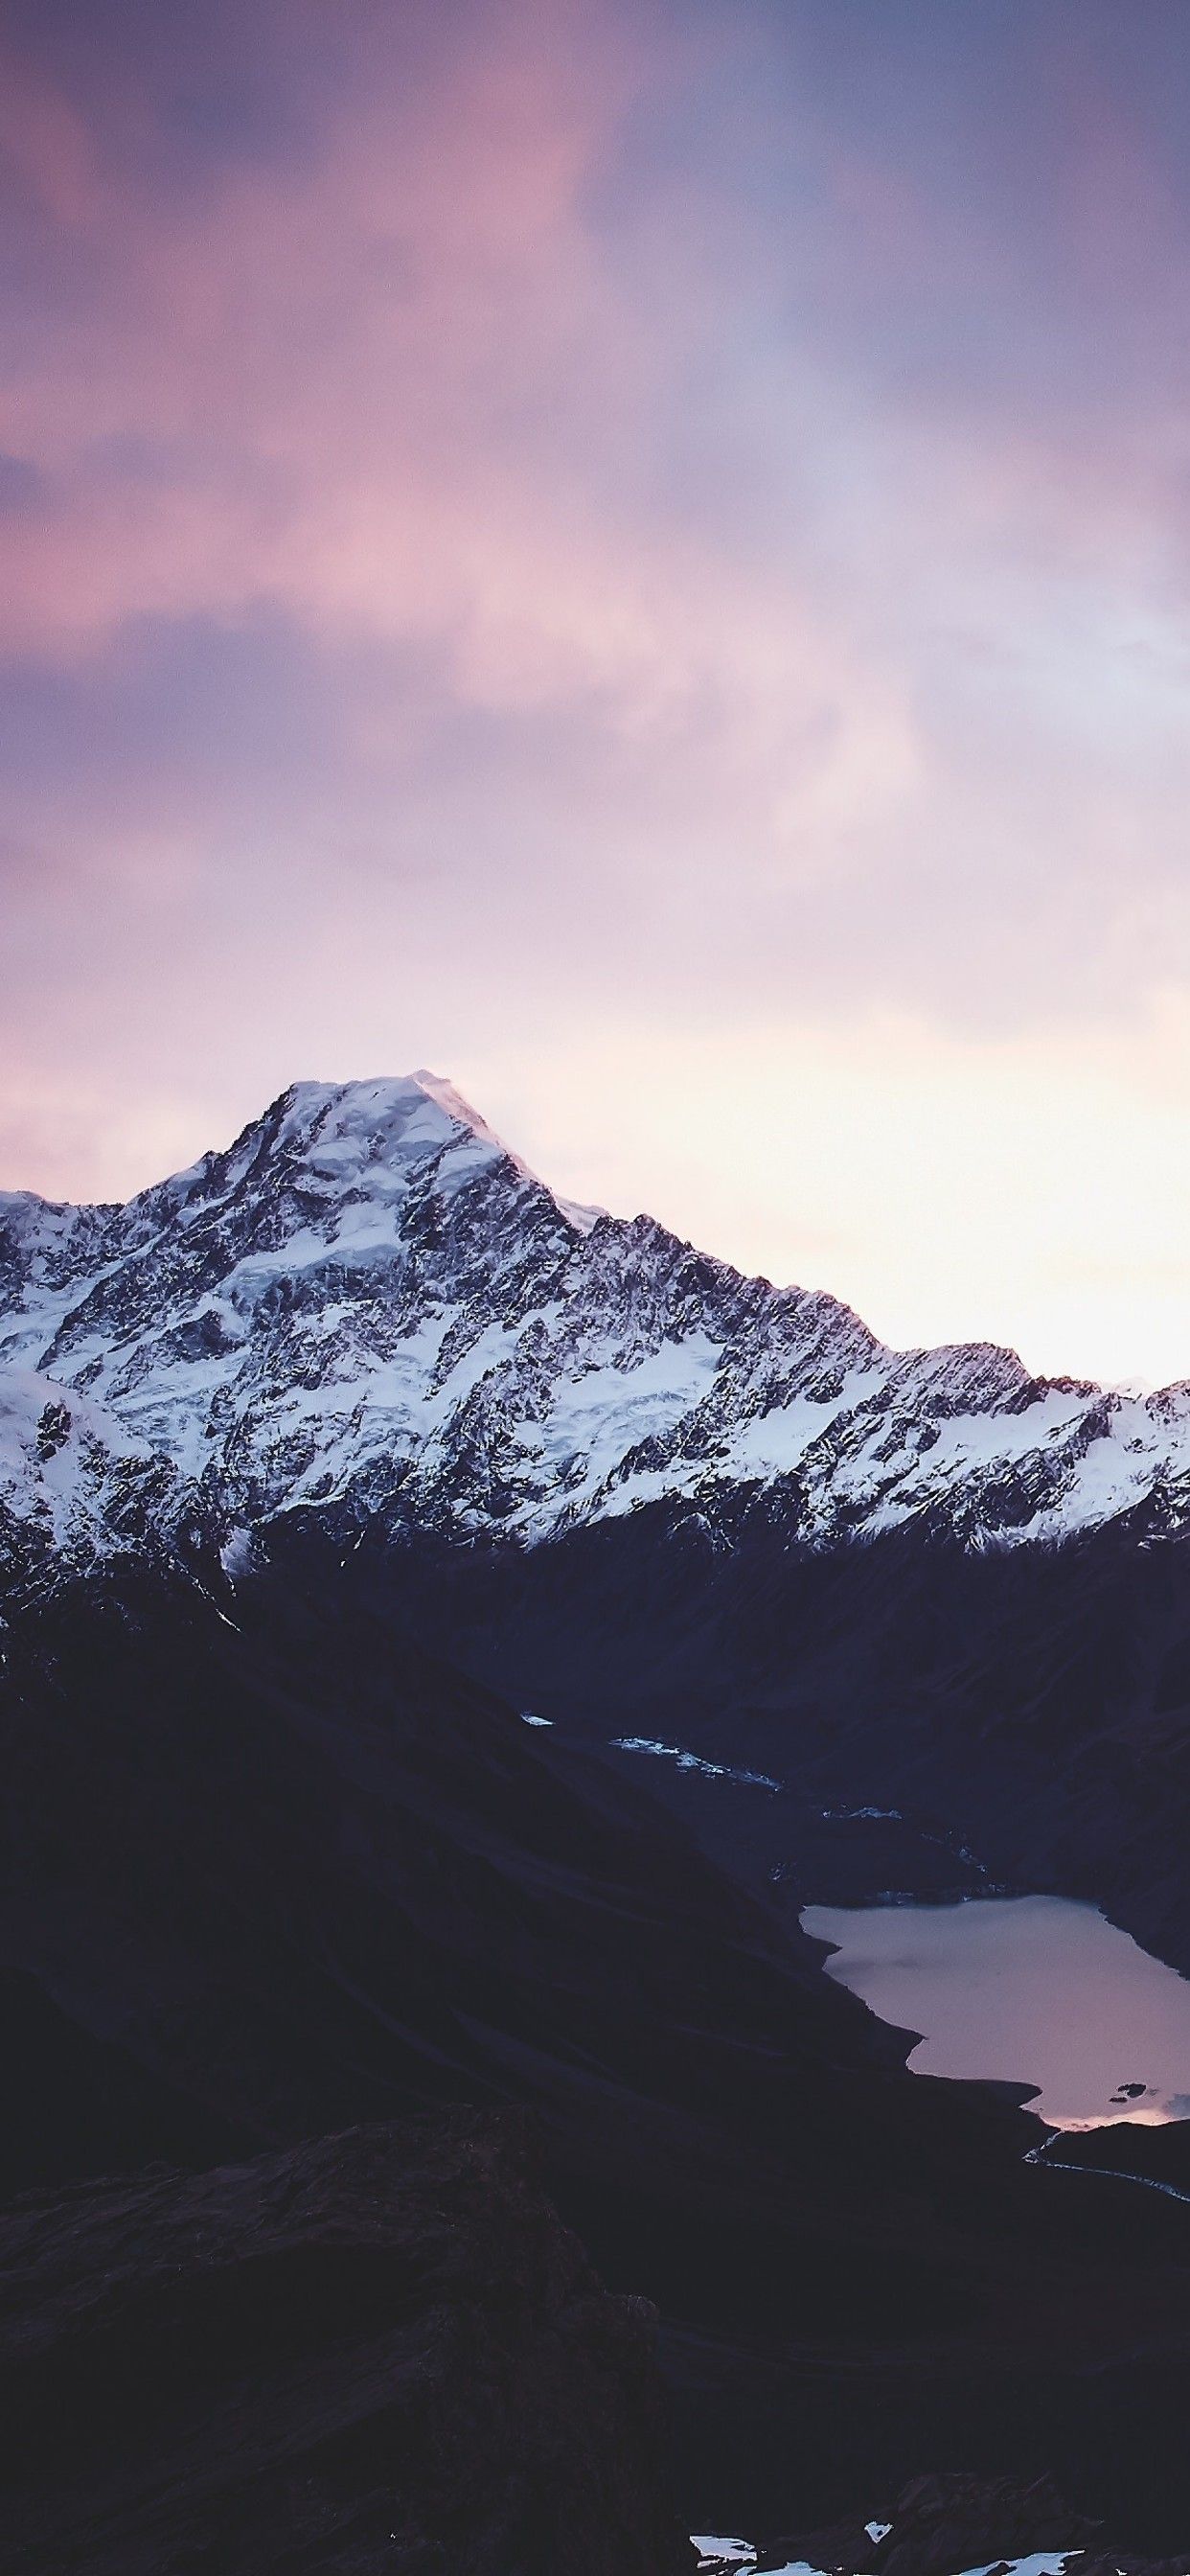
[1033, 1989]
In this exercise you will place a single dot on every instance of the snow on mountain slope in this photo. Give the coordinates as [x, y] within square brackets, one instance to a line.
[74, 1487]
[369, 1304]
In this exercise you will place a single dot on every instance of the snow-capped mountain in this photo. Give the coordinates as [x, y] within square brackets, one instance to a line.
[368, 1304]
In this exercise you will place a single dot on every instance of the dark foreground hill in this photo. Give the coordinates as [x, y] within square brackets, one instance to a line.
[379, 2353]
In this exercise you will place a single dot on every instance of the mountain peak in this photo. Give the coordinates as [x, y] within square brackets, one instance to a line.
[383, 1099]
[419, 1111]
[361, 1138]
[390, 1120]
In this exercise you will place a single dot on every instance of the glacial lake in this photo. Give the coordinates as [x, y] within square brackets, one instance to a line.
[1032, 1989]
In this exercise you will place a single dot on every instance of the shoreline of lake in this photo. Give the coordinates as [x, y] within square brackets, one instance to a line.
[1039, 1992]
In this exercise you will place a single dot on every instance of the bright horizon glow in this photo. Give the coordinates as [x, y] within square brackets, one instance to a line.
[638, 556]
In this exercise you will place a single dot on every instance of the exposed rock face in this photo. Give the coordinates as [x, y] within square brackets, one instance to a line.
[368, 1305]
[382, 2352]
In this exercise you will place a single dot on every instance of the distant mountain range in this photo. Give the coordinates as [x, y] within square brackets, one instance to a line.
[369, 1309]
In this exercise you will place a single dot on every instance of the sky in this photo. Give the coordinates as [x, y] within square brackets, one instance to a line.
[637, 555]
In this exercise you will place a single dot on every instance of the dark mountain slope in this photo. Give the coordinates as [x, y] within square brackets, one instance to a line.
[297, 1871]
[277, 1876]
[1029, 1705]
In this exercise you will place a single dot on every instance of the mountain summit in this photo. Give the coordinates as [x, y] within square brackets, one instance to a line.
[369, 1305]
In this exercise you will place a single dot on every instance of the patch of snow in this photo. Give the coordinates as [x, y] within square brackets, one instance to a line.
[1044, 2562]
[693, 1761]
[583, 1218]
[236, 1554]
[795, 2567]
[773, 1444]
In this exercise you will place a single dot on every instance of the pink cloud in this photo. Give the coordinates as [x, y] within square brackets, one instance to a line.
[321, 357]
[576, 507]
